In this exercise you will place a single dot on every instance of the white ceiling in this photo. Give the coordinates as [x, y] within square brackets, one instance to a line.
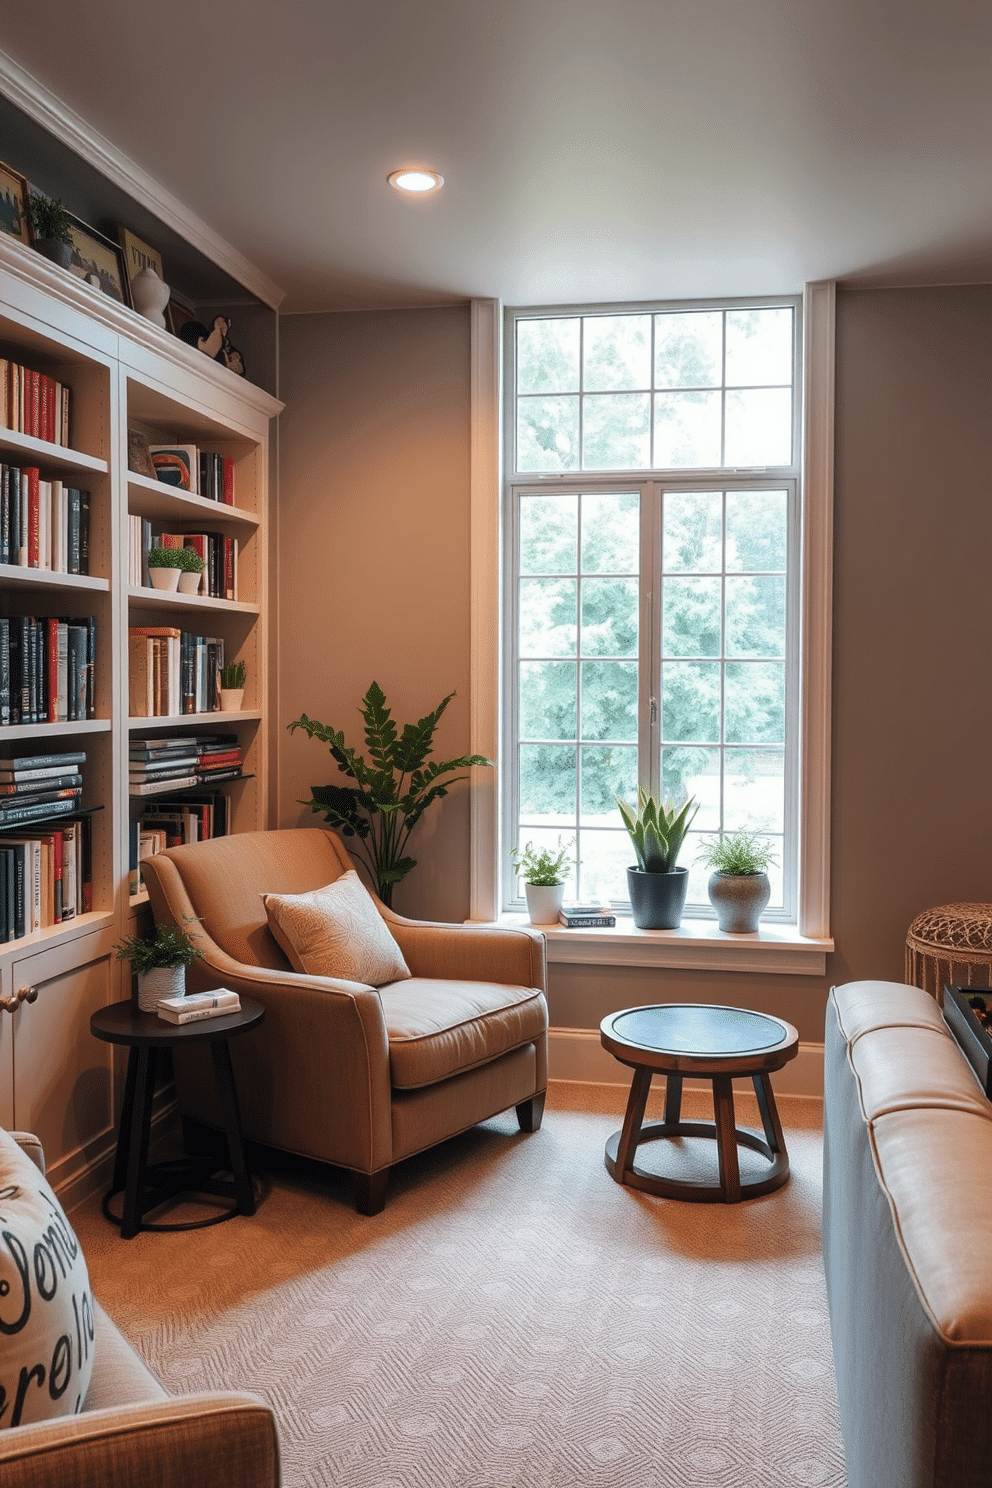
[592, 149]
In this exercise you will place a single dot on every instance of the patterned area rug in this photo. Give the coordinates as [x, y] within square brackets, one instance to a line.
[514, 1319]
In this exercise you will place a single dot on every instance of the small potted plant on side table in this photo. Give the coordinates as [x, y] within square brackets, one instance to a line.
[543, 872]
[159, 964]
[51, 228]
[738, 886]
[164, 568]
[232, 686]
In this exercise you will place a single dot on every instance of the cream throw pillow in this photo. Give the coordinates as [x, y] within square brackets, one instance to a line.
[336, 932]
[46, 1306]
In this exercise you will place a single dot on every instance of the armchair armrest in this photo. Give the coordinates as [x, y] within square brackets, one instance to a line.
[226, 1440]
[29, 1143]
[480, 953]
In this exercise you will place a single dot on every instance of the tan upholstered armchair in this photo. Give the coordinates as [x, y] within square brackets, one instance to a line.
[350, 1074]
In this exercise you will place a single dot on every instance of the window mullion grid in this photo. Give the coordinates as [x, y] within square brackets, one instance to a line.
[722, 753]
[578, 669]
[649, 641]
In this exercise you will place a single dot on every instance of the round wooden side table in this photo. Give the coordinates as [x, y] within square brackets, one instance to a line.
[951, 944]
[149, 1187]
[719, 1044]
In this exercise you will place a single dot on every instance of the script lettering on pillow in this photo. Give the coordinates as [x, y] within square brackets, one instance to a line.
[46, 1306]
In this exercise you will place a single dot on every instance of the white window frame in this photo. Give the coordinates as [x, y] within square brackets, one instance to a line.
[799, 948]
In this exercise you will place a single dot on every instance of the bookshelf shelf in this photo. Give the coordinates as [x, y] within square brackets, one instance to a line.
[58, 456]
[41, 731]
[148, 498]
[192, 720]
[159, 599]
[48, 578]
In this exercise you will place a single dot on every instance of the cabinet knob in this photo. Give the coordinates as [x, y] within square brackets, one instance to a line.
[9, 1004]
[25, 994]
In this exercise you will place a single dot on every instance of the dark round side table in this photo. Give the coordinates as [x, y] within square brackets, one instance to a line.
[716, 1043]
[148, 1187]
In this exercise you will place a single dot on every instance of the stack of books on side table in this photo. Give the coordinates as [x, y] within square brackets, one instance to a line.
[198, 1005]
[586, 916]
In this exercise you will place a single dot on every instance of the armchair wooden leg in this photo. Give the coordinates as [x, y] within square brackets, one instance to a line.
[370, 1191]
[530, 1113]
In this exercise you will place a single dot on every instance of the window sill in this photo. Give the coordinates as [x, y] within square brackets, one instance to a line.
[697, 945]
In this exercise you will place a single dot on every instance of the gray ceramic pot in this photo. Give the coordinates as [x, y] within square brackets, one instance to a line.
[657, 899]
[738, 899]
[60, 253]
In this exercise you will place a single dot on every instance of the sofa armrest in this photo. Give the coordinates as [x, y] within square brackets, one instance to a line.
[224, 1440]
[29, 1143]
[480, 953]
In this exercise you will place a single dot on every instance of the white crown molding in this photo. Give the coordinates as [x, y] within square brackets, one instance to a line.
[33, 98]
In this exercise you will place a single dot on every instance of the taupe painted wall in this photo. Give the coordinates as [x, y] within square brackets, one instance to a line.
[374, 553]
[374, 556]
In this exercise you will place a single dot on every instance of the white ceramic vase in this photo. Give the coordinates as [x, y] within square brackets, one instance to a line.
[189, 583]
[164, 578]
[161, 981]
[544, 902]
[231, 699]
[150, 296]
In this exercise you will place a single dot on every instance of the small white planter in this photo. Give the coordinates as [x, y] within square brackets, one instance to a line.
[232, 699]
[165, 578]
[189, 583]
[544, 902]
[161, 981]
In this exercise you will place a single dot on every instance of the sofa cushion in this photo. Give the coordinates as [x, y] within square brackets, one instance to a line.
[899, 1068]
[46, 1306]
[438, 1029]
[862, 1006]
[336, 931]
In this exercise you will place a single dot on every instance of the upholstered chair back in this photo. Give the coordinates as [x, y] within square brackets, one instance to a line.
[226, 877]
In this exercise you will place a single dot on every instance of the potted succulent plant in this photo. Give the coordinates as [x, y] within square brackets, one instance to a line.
[738, 886]
[657, 885]
[51, 228]
[191, 567]
[232, 686]
[544, 873]
[163, 567]
[159, 964]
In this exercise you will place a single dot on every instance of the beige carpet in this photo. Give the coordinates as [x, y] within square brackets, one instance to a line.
[514, 1319]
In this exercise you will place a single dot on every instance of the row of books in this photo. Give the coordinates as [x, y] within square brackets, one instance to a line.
[219, 578]
[201, 472]
[172, 672]
[166, 822]
[36, 787]
[195, 1006]
[154, 764]
[43, 523]
[45, 879]
[33, 403]
[47, 668]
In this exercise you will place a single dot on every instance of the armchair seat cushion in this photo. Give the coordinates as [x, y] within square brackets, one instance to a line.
[437, 1029]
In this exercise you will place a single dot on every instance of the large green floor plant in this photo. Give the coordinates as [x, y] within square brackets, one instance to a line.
[393, 787]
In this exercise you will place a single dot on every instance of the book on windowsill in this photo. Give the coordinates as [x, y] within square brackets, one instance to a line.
[198, 1005]
[586, 916]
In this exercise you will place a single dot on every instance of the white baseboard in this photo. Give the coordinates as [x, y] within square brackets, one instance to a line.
[577, 1054]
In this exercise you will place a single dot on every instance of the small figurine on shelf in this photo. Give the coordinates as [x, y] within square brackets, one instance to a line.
[214, 342]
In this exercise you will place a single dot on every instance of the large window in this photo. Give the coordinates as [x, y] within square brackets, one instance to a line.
[652, 580]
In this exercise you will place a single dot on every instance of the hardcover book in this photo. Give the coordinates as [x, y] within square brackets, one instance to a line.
[177, 465]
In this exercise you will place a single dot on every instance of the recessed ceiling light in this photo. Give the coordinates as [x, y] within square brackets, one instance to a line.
[416, 181]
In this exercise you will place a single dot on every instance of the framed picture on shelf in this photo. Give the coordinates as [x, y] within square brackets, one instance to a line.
[99, 262]
[13, 204]
[178, 312]
[138, 255]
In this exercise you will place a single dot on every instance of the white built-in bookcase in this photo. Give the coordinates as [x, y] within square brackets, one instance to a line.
[55, 1079]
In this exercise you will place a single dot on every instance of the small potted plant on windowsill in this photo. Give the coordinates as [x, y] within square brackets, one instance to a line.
[191, 567]
[159, 964]
[544, 873]
[738, 887]
[657, 885]
[51, 228]
[163, 568]
[232, 687]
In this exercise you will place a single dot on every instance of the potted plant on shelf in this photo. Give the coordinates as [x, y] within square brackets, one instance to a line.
[392, 789]
[544, 873]
[657, 886]
[232, 686]
[159, 964]
[738, 886]
[51, 228]
[163, 567]
[191, 567]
